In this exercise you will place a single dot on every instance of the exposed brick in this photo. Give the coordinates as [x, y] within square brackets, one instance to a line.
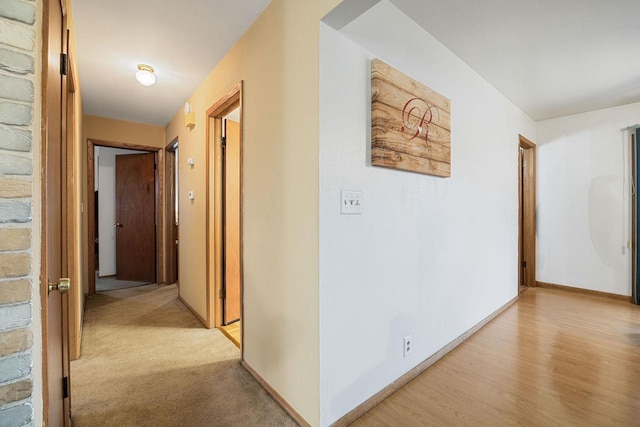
[16, 416]
[17, 35]
[15, 139]
[14, 367]
[17, 391]
[15, 265]
[15, 165]
[15, 239]
[16, 88]
[14, 211]
[14, 188]
[15, 341]
[15, 114]
[18, 11]
[16, 62]
[14, 316]
[15, 291]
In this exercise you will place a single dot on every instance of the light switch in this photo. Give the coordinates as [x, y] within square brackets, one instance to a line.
[351, 202]
[191, 194]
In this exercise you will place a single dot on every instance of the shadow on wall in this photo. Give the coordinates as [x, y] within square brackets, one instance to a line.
[605, 205]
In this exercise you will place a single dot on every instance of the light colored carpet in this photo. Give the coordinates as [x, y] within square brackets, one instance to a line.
[146, 361]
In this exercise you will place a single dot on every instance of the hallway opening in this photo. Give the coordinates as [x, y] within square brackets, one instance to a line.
[125, 243]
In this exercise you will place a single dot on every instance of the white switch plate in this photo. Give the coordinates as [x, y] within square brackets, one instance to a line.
[351, 202]
[191, 195]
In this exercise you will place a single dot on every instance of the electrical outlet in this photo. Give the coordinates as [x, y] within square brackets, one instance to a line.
[407, 345]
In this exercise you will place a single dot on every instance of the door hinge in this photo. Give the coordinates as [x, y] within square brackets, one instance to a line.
[524, 264]
[63, 64]
[222, 293]
[223, 142]
[65, 387]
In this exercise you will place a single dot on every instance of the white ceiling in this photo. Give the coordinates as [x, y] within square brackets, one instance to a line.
[182, 40]
[551, 58]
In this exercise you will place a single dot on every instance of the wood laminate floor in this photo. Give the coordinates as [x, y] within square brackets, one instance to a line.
[554, 358]
[233, 332]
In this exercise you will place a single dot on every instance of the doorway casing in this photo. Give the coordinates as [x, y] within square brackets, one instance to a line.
[171, 221]
[527, 213]
[91, 229]
[214, 214]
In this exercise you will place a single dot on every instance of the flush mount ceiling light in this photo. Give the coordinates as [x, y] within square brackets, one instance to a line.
[145, 75]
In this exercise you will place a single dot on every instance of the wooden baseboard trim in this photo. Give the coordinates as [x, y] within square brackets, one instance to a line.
[591, 292]
[276, 396]
[195, 313]
[367, 405]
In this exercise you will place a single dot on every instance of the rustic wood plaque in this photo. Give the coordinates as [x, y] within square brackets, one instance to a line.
[410, 123]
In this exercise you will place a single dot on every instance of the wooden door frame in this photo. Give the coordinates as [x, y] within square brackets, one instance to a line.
[43, 284]
[73, 206]
[91, 225]
[215, 113]
[169, 208]
[528, 226]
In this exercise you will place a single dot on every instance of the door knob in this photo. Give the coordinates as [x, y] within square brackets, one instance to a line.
[117, 225]
[62, 286]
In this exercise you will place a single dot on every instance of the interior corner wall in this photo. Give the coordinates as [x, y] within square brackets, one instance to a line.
[584, 200]
[277, 59]
[428, 257]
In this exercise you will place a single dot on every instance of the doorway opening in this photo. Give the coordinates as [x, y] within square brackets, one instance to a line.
[124, 195]
[171, 214]
[224, 290]
[526, 214]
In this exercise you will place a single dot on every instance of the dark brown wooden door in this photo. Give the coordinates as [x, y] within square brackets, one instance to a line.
[231, 206]
[135, 217]
[55, 316]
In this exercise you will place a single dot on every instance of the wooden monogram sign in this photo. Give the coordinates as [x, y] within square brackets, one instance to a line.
[410, 123]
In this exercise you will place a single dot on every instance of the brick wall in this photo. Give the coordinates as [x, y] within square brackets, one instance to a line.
[17, 280]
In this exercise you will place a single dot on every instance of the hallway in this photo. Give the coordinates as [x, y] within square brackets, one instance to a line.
[146, 361]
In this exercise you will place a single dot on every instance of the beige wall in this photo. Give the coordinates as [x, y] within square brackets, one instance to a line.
[113, 130]
[277, 58]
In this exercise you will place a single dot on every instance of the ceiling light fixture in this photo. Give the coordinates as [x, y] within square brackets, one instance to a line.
[145, 75]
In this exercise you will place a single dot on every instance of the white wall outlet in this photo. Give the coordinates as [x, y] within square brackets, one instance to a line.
[351, 202]
[407, 345]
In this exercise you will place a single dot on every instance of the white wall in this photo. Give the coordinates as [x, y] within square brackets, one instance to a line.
[106, 185]
[583, 200]
[429, 257]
